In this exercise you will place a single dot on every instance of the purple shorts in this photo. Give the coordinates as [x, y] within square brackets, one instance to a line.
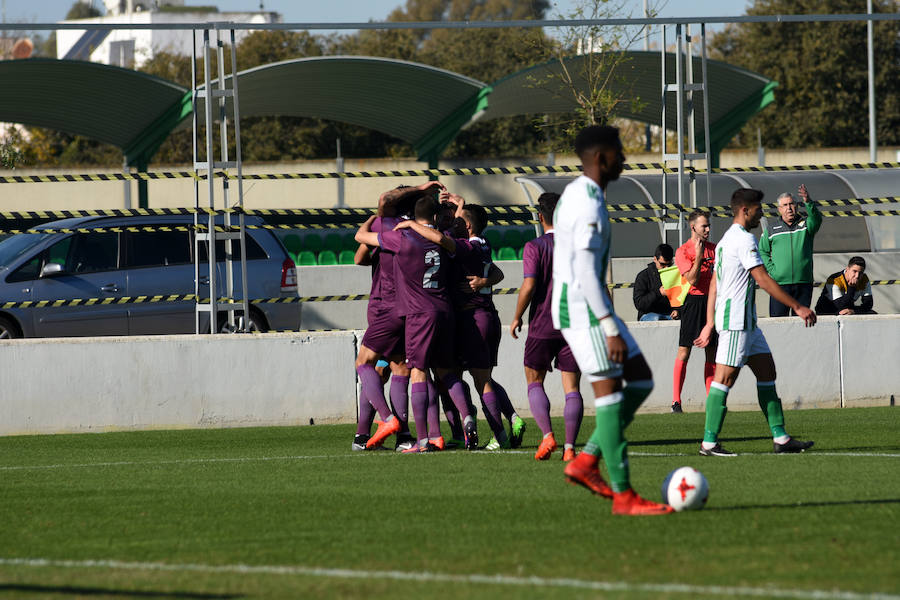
[540, 354]
[385, 333]
[478, 338]
[429, 341]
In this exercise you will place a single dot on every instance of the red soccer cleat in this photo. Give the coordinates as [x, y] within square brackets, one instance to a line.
[548, 445]
[568, 455]
[583, 471]
[629, 503]
[388, 428]
[437, 442]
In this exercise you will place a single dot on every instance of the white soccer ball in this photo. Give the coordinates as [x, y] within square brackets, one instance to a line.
[685, 488]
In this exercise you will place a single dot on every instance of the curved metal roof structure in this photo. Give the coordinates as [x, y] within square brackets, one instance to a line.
[122, 107]
[422, 105]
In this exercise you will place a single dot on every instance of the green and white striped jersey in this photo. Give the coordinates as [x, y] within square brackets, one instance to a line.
[580, 222]
[736, 254]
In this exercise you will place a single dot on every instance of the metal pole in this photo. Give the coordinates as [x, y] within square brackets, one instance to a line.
[339, 166]
[648, 143]
[873, 136]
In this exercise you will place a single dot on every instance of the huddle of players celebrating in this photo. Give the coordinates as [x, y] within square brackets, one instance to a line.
[431, 317]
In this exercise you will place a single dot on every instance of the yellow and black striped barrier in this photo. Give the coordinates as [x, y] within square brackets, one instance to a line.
[462, 171]
[285, 300]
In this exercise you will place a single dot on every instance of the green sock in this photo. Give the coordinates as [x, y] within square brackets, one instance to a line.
[609, 438]
[771, 407]
[715, 412]
[635, 393]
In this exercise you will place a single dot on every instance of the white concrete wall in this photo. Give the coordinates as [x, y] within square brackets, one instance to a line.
[104, 384]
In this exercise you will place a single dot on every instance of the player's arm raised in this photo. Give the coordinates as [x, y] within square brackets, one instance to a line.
[765, 281]
[365, 235]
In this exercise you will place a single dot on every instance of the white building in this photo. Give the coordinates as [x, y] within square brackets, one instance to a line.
[133, 47]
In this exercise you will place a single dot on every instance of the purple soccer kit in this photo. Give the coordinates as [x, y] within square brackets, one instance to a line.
[421, 270]
[545, 346]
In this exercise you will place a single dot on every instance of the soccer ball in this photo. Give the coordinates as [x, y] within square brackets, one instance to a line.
[685, 488]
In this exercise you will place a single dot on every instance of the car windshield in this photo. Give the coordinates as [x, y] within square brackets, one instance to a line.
[15, 246]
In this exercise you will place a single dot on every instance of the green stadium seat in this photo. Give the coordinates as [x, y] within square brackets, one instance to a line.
[346, 257]
[494, 254]
[528, 235]
[334, 242]
[306, 259]
[493, 237]
[506, 253]
[327, 257]
[349, 242]
[312, 241]
[293, 243]
[513, 239]
[521, 252]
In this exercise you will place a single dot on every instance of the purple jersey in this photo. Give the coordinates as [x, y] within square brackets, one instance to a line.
[421, 270]
[383, 288]
[473, 257]
[537, 262]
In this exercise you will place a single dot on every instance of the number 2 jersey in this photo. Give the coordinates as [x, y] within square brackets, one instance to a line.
[422, 272]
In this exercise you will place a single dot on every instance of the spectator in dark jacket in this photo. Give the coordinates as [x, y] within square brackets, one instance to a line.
[649, 296]
[847, 292]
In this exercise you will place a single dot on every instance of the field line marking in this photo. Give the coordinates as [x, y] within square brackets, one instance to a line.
[427, 576]
[240, 459]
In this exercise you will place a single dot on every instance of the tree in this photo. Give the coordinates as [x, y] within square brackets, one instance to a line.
[822, 98]
[80, 10]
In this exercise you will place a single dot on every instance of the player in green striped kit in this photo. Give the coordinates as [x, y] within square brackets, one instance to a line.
[581, 309]
[731, 309]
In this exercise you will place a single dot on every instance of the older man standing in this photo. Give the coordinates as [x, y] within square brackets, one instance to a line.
[787, 250]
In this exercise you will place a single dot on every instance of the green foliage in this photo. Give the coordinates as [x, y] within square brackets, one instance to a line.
[10, 155]
[298, 497]
[81, 10]
[822, 98]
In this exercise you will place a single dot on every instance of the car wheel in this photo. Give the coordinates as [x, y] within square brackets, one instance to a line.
[257, 323]
[8, 329]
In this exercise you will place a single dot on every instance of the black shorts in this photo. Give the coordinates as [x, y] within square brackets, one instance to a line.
[693, 318]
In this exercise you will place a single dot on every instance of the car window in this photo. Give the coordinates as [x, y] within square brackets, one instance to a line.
[157, 248]
[254, 250]
[14, 246]
[92, 252]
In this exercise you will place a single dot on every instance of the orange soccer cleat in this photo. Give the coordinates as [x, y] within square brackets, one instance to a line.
[548, 445]
[568, 455]
[388, 428]
[437, 442]
[629, 503]
[583, 471]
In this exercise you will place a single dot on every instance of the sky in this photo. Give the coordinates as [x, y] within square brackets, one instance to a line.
[350, 11]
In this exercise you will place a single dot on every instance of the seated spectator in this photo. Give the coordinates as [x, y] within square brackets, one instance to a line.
[649, 295]
[847, 292]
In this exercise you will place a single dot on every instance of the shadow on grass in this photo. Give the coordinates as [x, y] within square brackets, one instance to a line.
[806, 504]
[694, 440]
[92, 591]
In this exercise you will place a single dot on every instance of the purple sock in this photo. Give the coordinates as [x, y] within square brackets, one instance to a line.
[374, 389]
[452, 416]
[503, 402]
[400, 399]
[540, 406]
[366, 415]
[419, 400]
[492, 413]
[573, 413]
[458, 395]
[434, 412]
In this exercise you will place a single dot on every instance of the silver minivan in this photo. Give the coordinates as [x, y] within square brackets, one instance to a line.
[109, 265]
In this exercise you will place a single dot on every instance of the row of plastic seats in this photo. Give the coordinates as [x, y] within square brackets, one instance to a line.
[509, 238]
[316, 242]
[308, 258]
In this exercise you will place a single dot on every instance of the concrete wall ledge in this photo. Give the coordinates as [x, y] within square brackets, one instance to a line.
[187, 381]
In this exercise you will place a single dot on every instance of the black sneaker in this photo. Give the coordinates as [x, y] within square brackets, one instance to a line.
[716, 450]
[792, 446]
[676, 407]
[405, 441]
[471, 431]
[359, 443]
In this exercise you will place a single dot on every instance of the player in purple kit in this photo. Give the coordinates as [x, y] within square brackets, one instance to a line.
[421, 271]
[545, 344]
[385, 334]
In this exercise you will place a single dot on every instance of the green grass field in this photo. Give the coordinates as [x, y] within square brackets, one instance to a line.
[292, 512]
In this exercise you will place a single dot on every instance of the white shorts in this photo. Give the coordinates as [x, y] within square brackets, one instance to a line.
[735, 346]
[589, 348]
